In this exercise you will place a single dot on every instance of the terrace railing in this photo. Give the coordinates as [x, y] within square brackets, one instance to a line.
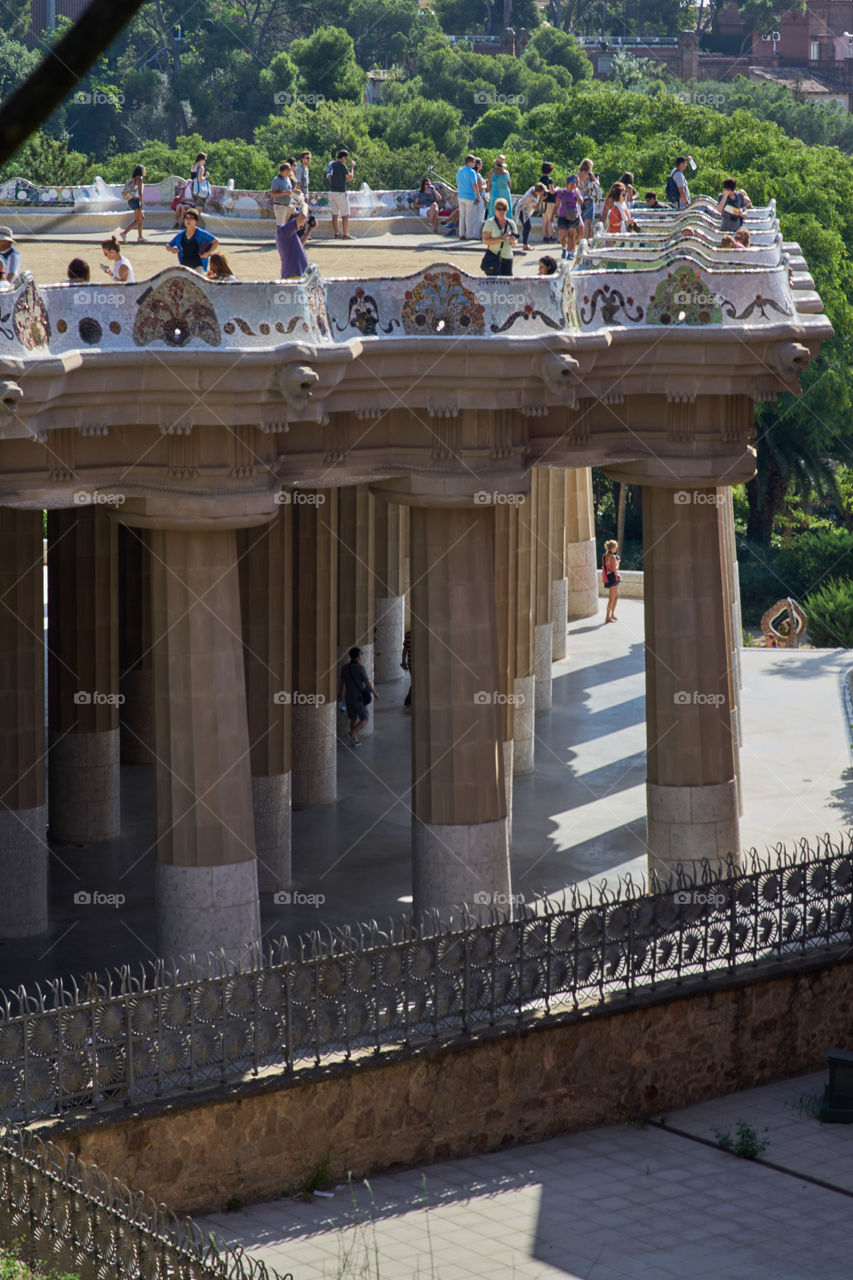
[133, 1037]
[76, 1219]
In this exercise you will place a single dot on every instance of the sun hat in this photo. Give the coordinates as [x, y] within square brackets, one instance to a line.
[6, 234]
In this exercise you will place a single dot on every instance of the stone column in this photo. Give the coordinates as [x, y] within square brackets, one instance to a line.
[389, 566]
[506, 538]
[83, 685]
[356, 518]
[206, 873]
[266, 607]
[459, 812]
[581, 564]
[540, 497]
[691, 786]
[524, 685]
[725, 516]
[315, 634]
[136, 684]
[559, 481]
[23, 814]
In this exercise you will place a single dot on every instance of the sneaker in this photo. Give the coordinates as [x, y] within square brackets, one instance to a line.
[347, 237]
[357, 743]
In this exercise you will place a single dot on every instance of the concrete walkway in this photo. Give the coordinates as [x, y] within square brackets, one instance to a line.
[580, 815]
[620, 1203]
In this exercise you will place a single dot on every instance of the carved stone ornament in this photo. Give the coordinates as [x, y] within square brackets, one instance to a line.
[297, 383]
[792, 359]
[10, 396]
[559, 372]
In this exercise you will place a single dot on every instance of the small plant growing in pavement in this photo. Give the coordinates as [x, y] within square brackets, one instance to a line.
[746, 1144]
[319, 1177]
[234, 1205]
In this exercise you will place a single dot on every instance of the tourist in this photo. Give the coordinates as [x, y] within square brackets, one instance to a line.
[569, 205]
[590, 190]
[200, 181]
[302, 174]
[427, 204]
[183, 200]
[482, 199]
[340, 172]
[619, 219]
[356, 692]
[78, 271]
[292, 255]
[743, 238]
[281, 193]
[728, 242]
[547, 265]
[498, 186]
[193, 246]
[610, 577]
[627, 181]
[677, 191]
[500, 234]
[220, 269]
[10, 257]
[547, 179]
[531, 202]
[135, 201]
[732, 206]
[651, 198]
[406, 664]
[117, 265]
[468, 195]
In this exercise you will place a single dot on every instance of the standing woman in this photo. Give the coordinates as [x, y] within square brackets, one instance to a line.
[590, 189]
[200, 181]
[610, 577]
[136, 202]
[498, 186]
[500, 234]
[482, 197]
[547, 180]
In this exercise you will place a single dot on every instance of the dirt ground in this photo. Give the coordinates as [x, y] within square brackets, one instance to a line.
[48, 256]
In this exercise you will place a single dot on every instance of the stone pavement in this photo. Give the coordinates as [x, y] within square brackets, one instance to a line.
[581, 814]
[619, 1203]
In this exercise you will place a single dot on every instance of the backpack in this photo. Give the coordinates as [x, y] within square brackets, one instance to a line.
[128, 191]
[673, 194]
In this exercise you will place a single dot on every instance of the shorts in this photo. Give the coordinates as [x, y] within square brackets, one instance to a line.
[588, 210]
[422, 212]
[282, 213]
[567, 224]
[339, 204]
[135, 203]
[357, 711]
[613, 580]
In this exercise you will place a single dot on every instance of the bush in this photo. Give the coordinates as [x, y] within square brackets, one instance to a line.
[760, 582]
[814, 557]
[829, 611]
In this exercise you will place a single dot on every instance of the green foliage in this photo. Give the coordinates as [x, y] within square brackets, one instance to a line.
[47, 160]
[635, 73]
[16, 63]
[746, 1143]
[813, 558]
[829, 611]
[555, 48]
[495, 126]
[328, 69]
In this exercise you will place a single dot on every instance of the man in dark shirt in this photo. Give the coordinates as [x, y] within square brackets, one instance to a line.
[354, 684]
[340, 173]
[406, 664]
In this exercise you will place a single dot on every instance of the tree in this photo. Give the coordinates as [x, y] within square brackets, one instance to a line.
[328, 70]
[559, 49]
[16, 63]
[495, 126]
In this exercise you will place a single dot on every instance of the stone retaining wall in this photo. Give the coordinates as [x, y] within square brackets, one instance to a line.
[667, 1051]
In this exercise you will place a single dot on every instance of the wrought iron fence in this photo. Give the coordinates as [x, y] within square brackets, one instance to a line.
[75, 1218]
[134, 1036]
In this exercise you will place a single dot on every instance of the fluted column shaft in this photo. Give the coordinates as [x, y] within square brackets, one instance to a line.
[525, 638]
[581, 568]
[315, 634]
[390, 575]
[544, 600]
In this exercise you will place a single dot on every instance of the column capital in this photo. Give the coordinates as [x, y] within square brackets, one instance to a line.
[196, 514]
[685, 473]
[476, 492]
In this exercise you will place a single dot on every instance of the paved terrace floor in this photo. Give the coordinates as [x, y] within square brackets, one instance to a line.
[580, 815]
[619, 1203]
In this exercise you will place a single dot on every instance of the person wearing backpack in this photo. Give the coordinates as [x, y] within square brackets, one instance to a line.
[133, 194]
[677, 191]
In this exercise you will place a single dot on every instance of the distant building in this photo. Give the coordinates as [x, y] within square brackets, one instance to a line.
[43, 14]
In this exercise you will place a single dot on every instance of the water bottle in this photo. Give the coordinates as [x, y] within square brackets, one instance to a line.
[692, 163]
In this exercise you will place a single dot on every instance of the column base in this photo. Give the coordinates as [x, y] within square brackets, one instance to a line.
[315, 757]
[271, 805]
[685, 824]
[136, 714]
[523, 716]
[23, 872]
[84, 792]
[209, 909]
[542, 660]
[582, 595]
[559, 596]
[389, 612]
[456, 865]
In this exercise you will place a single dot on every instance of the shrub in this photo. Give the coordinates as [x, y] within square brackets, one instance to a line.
[814, 557]
[829, 611]
[760, 582]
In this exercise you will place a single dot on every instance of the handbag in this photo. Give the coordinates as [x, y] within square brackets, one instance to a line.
[490, 263]
[201, 188]
[366, 695]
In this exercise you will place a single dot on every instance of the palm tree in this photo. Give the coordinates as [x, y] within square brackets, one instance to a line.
[790, 455]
